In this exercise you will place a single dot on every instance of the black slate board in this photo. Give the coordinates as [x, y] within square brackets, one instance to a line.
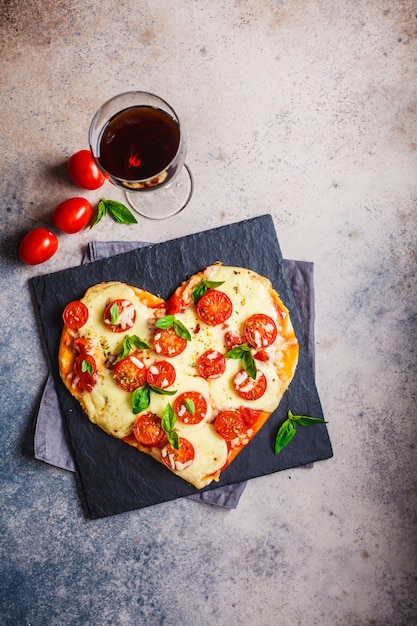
[114, 476]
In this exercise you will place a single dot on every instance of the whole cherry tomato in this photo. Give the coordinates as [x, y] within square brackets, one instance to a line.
[72, 215]
[37, 246]
[84, 171]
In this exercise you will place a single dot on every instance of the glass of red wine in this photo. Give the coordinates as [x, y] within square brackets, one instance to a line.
[139, 143]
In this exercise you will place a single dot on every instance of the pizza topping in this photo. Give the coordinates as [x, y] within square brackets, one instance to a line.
[211, 364]
[247, 387]
[168, 422]
[169, 321]
[174, 305]
[244, 352]
[203, 286]
[250, 416]
[261, 355]
[168, 343]
[232, 339]
[178, 459]
[214, 307]
[260, 330]
[75, 315]
[86, 372]
[130, 373]
[148, 430]
[119, 315]
[190, 407]
[231, 426]
[161, 374]
[130, 342]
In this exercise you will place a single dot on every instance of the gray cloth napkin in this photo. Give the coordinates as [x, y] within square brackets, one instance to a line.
[51, 442]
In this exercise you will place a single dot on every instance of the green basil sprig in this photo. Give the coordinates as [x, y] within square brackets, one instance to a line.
[169, 320]
[141, 397]
[118, 211]
[114, 313]
[168, 422]
[288, 429]
[203, 286]
[189, 405]
[244, 352]
[129, 342]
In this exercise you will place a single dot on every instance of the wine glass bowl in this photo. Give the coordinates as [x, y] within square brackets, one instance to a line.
[138, 142]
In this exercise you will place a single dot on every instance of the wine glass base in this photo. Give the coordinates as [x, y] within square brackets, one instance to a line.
[159, 204]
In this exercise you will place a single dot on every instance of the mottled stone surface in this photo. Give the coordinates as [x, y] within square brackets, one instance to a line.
[304, 110]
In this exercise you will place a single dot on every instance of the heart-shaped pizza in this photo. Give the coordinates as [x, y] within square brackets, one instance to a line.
[190, 380]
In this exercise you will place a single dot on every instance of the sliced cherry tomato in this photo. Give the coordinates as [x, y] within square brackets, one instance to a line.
[75, 314]
[161, 374]
[250, 388]
[85, 369]
[130, 373]
[229, 425]
[250, 416]
[232, 339]
[82, 344]
[37, 246]
[214, 307]
[119, 315]
[178, 459]
[211, 364]
[190, 407]
[168, 343]
[84, 171]
[72, 215]
[260, 330]
[174, 305]
[148, 430]
[261, 355]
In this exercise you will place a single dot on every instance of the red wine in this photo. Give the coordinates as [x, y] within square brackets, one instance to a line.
[139, 143]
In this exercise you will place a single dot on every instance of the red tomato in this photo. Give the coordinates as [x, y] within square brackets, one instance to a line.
[211, 364]
[260, 330]
[130, 373]
[250, 416]
[229, 425]
[174, 305]
[161, 374]
[84, 171]
[214, 307]
[232, 339]
[119, 315]
[72, 215]
[37, 246]
[168, 343]
[86, 368]
[148, 429]
[196, 409]
[249, 388]
[75, 314]
[178, 459]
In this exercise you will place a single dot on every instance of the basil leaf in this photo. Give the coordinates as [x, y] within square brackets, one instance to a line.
[119, 212]
[249, 364]
[168, 419]
[181, 330]
[235, 353]
[129, 342]
[114, 313]
[165, 322]
[140, 399]
[303, 420]
[189, 405]
[101, 212]
[161, 392]
[86, 367]
[285, 434]
[173, 439]
[202, 287]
